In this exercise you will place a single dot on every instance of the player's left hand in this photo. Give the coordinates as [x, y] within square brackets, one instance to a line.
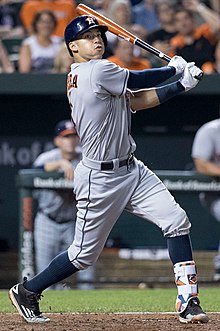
[190, 76]
[67, 168]
[178, 63]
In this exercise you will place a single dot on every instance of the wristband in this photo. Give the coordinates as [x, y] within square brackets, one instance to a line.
[169, 91]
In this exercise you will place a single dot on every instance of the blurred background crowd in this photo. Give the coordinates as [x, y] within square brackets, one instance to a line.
[31, 33]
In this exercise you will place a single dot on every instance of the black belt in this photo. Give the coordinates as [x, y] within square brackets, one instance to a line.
[110, 165]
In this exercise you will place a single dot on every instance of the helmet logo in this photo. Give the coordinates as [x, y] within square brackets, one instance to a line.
[90, 20]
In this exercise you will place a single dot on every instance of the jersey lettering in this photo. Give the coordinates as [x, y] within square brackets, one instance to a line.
[72, 81]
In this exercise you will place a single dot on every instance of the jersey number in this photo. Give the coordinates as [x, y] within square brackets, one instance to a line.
[72, 81]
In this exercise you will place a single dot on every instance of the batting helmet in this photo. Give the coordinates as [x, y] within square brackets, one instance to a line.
[80, 25]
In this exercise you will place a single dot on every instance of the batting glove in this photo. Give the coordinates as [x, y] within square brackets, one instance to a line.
[178, 63]
[190, 76]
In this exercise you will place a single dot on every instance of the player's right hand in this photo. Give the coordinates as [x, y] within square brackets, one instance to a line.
[178, 63]
[190, 76]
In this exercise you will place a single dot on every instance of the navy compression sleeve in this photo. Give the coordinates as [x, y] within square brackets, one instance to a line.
[149, 77]
[169, 91]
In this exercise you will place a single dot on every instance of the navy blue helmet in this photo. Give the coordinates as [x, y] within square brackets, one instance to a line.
[80, 25]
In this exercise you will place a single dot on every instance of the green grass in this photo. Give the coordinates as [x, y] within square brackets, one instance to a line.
[119, 300]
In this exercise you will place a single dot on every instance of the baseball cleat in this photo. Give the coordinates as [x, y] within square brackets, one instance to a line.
[26, 303]
[193, 313]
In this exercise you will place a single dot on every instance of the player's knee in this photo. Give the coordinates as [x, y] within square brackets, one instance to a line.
[82, 265]
[178, 227]
[81, 260]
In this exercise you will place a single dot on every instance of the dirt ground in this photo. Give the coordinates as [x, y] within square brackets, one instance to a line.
[100, 322]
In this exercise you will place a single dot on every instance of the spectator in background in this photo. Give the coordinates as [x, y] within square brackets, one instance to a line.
[215, 4]
[56, 211]
[160, 38]
[206, 157]
[195, 43]
[5, 64]
[213, 67]
[100, 5]
[135, 2]
[64, 10]
[125, 58]
[120, 11]
[37, 52]
[145, 14]
[10, 25]
[62, 61]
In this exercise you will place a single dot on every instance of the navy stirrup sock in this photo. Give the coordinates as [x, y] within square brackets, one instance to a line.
[58, 269]
[179, 248]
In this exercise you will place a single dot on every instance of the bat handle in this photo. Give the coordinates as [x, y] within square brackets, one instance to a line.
[199, 77]
[167, 58]
[164, 56]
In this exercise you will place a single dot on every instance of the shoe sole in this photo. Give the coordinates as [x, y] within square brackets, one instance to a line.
[31, 320]
[202, 318]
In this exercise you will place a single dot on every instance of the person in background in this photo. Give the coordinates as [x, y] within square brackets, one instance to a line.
[125, 58]
[160, 38]
[62, 61]
[206, 157]
[10, 24]
[215, 4]
[195, 42]
[64, 10]
[120, 11]
[54, 225]
[144, 13]
[6, 65]
[214, 67]
[38, 51]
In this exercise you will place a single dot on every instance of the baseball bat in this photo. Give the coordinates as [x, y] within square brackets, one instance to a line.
[119, 31]
[123, 33]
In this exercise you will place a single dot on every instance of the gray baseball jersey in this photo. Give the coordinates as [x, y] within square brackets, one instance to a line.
[100, 113]
[100, 104]
[206, 144]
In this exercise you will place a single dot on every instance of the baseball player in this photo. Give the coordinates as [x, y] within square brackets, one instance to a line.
[54, 225]
[206, 157]
[109, 179]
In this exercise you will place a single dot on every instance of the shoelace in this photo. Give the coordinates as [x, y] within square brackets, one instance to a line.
[33, 302]
[33, 298]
